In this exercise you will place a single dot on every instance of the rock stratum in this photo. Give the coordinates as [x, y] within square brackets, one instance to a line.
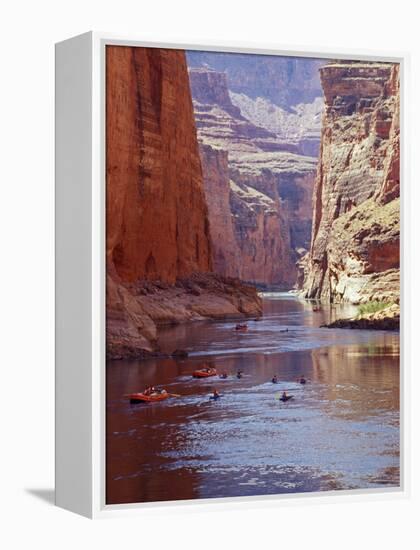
[354, 254]
[158, 247]
[258, 188]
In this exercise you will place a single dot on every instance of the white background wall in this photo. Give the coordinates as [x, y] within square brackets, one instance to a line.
[28, 32]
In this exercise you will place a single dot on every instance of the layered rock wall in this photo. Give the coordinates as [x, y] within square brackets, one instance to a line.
[258, 233]
[354, 253]
[284, 81]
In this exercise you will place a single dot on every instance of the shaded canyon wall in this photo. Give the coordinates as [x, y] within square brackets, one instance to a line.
[153, 168]
[158, 249]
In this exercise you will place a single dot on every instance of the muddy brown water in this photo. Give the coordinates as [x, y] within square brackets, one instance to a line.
[340, 431]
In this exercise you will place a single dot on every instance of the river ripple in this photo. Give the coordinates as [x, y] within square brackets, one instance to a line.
[341, 430]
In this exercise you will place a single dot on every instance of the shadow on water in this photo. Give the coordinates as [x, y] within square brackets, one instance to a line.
[340, 431]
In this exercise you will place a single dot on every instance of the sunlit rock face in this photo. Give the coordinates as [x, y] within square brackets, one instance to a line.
[354, 253]
[299, 126]
[264, 187]
[157, 216]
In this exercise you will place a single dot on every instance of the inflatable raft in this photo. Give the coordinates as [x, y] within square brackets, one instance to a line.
[143, 398]
[204, 373]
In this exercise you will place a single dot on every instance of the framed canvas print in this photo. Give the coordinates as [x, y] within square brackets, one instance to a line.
[228, 274]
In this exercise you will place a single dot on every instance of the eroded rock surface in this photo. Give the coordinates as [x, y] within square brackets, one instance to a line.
[136, 310]
[354, 253]
[260, 216]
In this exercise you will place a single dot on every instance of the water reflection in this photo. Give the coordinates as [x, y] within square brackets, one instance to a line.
[341, 430]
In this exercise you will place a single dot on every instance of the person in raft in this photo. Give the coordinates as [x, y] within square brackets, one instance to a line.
[224, 375]
[274, 379]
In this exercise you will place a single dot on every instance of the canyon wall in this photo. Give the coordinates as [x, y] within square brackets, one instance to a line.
[158, 248]
[258, 188]
[354, 253]
[153, 168]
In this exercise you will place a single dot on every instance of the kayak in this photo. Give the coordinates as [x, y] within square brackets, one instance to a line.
[203, 373]
[142, 398]
[241, 327]
[215, 397]
[284, 399]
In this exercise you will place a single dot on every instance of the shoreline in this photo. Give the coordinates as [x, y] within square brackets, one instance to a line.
[387, 323]
[135, 312]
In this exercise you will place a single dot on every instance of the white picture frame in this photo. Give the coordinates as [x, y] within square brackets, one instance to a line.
[80, 275]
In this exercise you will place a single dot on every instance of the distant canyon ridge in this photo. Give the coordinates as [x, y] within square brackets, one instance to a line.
[258, 122]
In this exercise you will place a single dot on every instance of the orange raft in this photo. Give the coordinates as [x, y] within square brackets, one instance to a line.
[143, 398]
[204, 373]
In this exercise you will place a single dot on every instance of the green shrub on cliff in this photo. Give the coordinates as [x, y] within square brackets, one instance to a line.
[372, 307]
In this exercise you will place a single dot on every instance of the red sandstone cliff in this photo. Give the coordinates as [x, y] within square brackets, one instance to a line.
[157, 219]
[153, 168]
[354, 253]
[226, 254]
[258, 188]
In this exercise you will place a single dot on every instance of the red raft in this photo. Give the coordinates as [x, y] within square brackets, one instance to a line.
[204, 373]
[143, 398]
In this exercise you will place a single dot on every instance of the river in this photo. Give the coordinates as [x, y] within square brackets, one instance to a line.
[340, 431]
